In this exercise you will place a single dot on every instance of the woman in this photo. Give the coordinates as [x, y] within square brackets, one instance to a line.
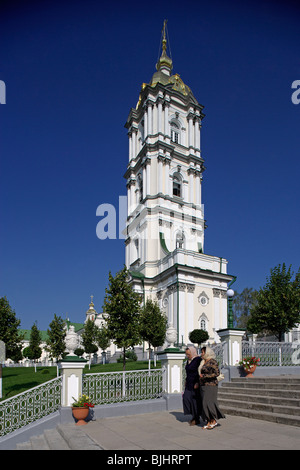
[191, 396]
[208, 373]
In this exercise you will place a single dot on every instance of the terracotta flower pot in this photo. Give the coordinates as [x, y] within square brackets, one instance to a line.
[80, 413]
[249, 372]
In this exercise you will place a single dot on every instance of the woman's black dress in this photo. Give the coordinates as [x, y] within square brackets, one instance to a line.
[191, 397]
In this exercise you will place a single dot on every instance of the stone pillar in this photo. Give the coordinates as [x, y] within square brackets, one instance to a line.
[172, 361]
[72, 368]
[233, 345]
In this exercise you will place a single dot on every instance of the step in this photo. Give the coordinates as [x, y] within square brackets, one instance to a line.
[39, 443]
[276, 400]
[24, 446]
[63, 437]
[260, 391]
[252, 383]
[258, 406]
[75, 438]
[274, 379]
[266, 416]
[55, 440]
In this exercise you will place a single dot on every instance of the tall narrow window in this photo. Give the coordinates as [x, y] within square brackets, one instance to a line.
[176, 187]
[175, 131]
[140, 183]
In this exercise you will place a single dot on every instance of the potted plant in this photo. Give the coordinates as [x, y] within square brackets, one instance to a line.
[81, 408]
[249, 365]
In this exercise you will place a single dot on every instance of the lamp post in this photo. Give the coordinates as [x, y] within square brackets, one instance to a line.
[230, 294]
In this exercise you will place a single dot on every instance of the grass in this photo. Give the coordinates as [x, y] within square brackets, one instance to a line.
[19, 379]
[117, 367]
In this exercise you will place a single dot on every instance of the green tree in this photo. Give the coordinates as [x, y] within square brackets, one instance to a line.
[9, 332]
[153, 324]
[278, 303]
[34, 343]
[198, 336]
[102, 338]
[56, 338]
[89, 338]
[242, 304]
[121, 309]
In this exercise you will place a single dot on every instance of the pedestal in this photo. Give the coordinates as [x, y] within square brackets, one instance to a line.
[233, 345]
[172, 360]
[72, 367]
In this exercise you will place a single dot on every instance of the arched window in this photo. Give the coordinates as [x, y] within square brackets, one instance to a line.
[175, 132]
[176, 186]
[203, 324]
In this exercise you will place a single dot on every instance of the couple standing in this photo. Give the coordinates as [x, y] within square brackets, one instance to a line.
[201, 387]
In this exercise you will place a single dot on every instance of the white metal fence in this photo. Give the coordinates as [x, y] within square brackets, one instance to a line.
[29, 406]
[272, 353]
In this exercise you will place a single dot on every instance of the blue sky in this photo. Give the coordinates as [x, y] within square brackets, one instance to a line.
[73, 70]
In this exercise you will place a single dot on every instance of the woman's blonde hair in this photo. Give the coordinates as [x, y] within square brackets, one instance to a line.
[208, 353]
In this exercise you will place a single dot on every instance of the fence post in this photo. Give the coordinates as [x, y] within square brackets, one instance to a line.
[72, 368]
[232, 339]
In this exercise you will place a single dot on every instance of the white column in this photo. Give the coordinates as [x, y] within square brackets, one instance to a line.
[197, 182]
[166, 129]
[191, 187]
[167, 189]
[150, 117]
[190, 132]
[144, 182]
[191, 326]
[160, 175]
[130, 145]
[132, 198]
[129, 199]
[133, 143]
[196, 133]
[148, 169]
[159, 120]
[145, 124]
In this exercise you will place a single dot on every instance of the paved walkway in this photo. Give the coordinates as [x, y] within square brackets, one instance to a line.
[171, 431]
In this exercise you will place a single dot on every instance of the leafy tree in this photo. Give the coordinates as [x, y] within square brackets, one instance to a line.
[242, 304]
[198, 336]
[102, 338]
[56, 338]
[121, 309]
[153, 324]
[278, 303]
[89, 338]
[35, 340]
[9, 332]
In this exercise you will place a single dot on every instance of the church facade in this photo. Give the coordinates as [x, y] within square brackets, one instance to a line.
[165, 220]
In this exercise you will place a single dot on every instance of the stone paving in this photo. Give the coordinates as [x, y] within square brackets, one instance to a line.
[171, 431]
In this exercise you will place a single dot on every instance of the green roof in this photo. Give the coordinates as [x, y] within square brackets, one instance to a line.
[44, 334]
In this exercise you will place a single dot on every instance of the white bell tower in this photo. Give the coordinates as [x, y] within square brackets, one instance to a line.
[165, 219]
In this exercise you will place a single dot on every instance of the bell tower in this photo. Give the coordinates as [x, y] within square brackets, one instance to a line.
[165, 219]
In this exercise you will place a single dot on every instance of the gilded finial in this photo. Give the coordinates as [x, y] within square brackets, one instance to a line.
[164, 41]
[164, 62]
